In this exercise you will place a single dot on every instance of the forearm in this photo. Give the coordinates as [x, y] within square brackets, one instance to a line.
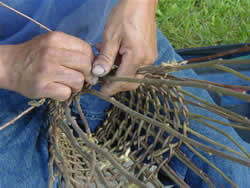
[152, 3]
[140, 7]
[5, 61]
[156, 2]
[2, 69]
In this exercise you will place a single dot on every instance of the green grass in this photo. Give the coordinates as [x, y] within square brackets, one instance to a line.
[194, 23]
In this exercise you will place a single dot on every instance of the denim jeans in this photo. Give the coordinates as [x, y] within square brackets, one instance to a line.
[24, 147]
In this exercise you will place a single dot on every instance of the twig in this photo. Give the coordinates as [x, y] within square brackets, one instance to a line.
[233, 72]
[173, 176]
[100, 150]
[216, 110]
[83, 118]
[198, 116]
[209, 82]
[169, 82]
[66, 130]
[168, 129]
[212, 105]
[210, 164]
[86, 125]
[51, 167]
[231, 52]
[29, 18]
[61, 164]
[211, 63]
[39, 103]
[168, 68]
[185, 160]
[217, 144]
[204, 123]
[92, 169]
[226, 135]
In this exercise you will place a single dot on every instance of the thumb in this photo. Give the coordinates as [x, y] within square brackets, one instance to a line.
[104, 61]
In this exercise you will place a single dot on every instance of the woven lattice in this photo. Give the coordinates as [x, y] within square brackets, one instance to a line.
[140, 135]
[143, 130]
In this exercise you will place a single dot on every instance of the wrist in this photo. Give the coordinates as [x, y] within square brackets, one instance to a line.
[155, 2]
[5, 67]
[149, 5]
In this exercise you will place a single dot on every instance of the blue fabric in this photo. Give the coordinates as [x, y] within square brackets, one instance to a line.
[227, 78]
[23, 145]
[81, 18]
[16, 29]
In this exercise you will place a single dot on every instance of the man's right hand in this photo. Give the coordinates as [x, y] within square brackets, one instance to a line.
[52, 65]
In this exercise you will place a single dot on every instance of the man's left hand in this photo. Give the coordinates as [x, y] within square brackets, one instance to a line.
[130, 40]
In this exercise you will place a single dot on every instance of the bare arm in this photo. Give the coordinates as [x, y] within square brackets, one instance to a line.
[130, 33]
[5, 83]
[52, 65]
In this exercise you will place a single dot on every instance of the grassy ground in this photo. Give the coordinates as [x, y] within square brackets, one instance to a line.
[194, 23]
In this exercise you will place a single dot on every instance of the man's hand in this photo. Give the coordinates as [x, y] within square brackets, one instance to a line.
[52, 65]
[129, 37]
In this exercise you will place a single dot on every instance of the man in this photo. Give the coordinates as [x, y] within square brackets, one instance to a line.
[55, 64]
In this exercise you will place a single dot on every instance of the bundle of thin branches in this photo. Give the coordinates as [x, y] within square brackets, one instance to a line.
[143, 130]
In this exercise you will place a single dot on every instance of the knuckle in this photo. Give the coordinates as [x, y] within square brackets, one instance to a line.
[51, 37]
[140, 54]
[106, 58]
[86, 47]
[151, 57]
[79, 81]
[38, 88]
[156, 55]
[88, 68]
[47, 52]
[145, 55]
[111, 35]
[86, 64]
[126, 87]
[66, 94]
[44, 68]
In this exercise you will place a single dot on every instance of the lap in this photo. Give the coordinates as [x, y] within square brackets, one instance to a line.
[23, 145]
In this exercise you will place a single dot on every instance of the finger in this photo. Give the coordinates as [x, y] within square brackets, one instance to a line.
[57, 91]
[63, 40]
[113, 88]
[128, 69]
[73, 60]
[70, 78]
[104, 61]
[118, 59]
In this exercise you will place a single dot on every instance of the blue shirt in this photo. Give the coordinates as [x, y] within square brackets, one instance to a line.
[82, 18]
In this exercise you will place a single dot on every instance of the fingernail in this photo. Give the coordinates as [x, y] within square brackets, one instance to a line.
[94, 81]
[98, 70]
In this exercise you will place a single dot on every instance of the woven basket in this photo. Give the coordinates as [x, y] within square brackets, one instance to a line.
[141, 134]
[143, 130]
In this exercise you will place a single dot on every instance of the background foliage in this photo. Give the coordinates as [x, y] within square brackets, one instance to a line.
[194, 23]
